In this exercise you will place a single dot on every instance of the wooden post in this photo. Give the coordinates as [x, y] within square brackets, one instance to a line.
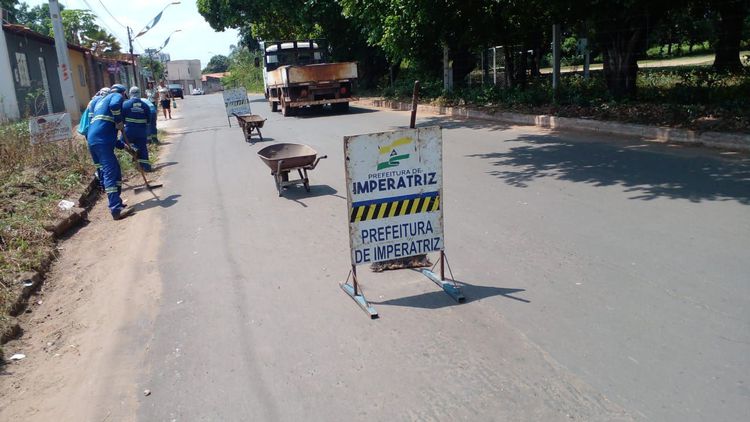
[556, 60]
[414, 101]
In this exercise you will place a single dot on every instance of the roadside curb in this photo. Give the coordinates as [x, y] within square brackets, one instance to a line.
[32, 281]
[720, 140]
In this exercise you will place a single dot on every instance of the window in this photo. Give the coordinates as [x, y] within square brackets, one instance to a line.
[23, 70]
[81, 75]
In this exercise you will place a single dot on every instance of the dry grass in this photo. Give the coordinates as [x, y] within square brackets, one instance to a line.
[33, 179]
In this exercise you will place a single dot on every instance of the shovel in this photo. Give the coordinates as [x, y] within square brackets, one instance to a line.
[133, 153]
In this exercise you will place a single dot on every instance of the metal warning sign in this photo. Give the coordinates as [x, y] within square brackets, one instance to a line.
[236, 101]
[394, 190]
[50, 128]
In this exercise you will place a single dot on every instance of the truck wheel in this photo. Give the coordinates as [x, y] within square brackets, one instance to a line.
[286, 110]
[340, 107]
[274, 106]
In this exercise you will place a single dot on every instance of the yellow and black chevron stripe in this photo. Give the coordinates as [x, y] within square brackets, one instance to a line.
[393, 207]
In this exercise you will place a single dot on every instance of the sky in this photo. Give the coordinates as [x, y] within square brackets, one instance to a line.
[196, 40]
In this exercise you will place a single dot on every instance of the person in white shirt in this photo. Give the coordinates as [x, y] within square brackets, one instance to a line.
[165, 100]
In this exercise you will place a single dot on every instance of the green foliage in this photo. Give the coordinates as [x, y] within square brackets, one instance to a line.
[155, 66]
[79, 25]
[243, 73]
[218, 63]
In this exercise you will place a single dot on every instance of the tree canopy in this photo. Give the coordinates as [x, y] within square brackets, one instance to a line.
[383, 32]
[79, 25]
[218, 63]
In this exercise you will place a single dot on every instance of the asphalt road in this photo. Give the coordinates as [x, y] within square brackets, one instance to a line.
[607, 279]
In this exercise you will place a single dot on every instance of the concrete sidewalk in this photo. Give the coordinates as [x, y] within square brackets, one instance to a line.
[720, 140]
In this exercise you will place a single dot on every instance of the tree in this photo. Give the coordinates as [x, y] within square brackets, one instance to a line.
[77, 24]
[731, 17]
[155, 66]
[101, 42]
[10, 6]
[35, 18]
[217, 64]
[297, 19]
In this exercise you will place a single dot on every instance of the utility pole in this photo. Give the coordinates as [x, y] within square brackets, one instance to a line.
[555, 60]
[63, 63]
[132, 58]
[447, 69]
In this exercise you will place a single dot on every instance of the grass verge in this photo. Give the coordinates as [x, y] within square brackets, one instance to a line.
[33, 180]
[686, 97]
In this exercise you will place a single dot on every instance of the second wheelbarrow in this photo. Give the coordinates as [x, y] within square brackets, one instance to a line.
[284, 158]
[249, 123]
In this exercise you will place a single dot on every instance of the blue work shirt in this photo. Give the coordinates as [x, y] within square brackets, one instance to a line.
[107, 114]
[137, 115]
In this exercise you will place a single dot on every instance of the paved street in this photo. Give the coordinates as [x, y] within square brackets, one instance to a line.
[606, 279]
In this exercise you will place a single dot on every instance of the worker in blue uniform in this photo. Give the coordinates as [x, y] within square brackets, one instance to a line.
[90, 108]
[152, 123]
[137, 118]
[102, 141]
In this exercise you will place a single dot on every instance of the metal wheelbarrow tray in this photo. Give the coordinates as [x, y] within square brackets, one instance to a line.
[249, 123]
[284, 158]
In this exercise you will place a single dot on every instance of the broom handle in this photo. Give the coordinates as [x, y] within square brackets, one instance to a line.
[137, 163]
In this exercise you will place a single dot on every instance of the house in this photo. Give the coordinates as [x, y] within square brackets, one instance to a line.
[212, 82]
[186, 73]
[30, 62]
[29, 81]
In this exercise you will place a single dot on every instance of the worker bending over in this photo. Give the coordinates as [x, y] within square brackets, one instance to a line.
[102, 140]
[90, 108]
[137, 117]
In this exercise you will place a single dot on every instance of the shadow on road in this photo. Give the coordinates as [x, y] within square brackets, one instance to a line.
[257, 140]
[163, 165]
[447, 122]
[204, 129]
[156, 202]
[646, 170]
[307, 112]
[298, 193]
[439, 299]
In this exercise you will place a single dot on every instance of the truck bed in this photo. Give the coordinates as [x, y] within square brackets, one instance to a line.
[294, 75]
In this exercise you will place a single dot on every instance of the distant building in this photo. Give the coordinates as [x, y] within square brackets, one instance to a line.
[186, 73]
[212, 82]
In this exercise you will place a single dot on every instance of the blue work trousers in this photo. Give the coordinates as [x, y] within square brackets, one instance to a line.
[98, 166]
[104, 154]
[141, 145]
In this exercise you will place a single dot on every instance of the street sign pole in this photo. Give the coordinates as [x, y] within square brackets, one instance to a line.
[63, 62]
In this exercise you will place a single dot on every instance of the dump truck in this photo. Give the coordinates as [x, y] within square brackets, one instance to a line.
[296, 74]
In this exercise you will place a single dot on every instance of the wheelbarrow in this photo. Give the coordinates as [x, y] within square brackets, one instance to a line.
[285, 158]
[250, 123]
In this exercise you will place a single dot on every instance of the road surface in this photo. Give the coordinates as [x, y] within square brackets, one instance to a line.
[607, 279]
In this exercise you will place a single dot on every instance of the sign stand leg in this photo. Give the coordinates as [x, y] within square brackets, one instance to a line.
[449, 286]
[355, 292]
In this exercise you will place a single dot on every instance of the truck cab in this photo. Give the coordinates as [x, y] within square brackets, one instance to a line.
[297, 74]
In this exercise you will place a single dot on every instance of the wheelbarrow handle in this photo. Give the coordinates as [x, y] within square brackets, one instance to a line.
[317, 160]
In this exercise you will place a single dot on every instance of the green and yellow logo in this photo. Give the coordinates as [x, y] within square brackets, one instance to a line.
[392, 157]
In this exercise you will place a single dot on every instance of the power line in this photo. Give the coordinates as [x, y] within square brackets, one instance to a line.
[111, 31]
[111, 15]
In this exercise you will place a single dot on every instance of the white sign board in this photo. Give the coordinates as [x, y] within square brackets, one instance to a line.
[236, 102]
[50, 128]
[395, 194]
